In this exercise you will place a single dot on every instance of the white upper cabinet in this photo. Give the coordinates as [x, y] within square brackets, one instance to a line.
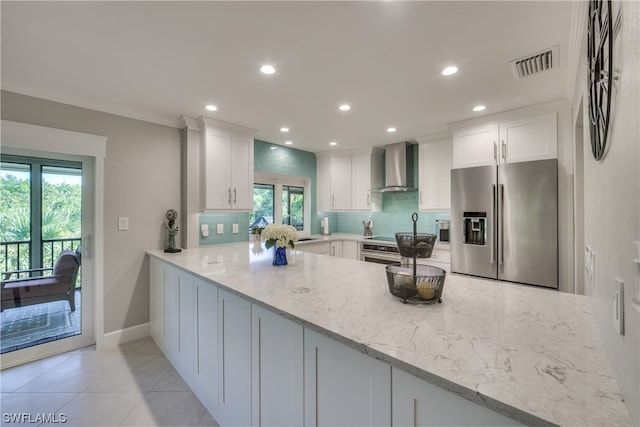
[531, 138]
[227, 167]
[366, 172]
[436, 160]
[345, 180]
[475, 146]
[509, 141]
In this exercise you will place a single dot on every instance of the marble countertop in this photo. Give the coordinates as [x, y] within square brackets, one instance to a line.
[530, 353]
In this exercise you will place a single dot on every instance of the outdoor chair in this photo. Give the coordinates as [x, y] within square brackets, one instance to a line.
[32, 286]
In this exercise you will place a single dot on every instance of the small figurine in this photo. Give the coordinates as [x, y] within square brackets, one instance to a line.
[172, 215]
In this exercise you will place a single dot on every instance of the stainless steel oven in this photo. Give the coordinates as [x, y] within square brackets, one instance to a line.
[380, 251]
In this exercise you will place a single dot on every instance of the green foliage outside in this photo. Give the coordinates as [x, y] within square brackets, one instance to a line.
[61, 216]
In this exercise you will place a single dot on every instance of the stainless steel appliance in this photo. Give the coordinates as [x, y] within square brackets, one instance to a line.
[380, 249]
[504, 222]
[442, 230]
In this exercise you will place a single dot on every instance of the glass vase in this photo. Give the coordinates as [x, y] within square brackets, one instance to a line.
[279, 256]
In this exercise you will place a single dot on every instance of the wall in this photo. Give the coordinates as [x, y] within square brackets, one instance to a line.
[142, 181]
[612, 209]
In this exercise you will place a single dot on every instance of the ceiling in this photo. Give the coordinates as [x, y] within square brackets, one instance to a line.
[158, 61]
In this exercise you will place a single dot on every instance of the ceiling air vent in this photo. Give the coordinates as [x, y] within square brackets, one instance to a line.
[535, 64]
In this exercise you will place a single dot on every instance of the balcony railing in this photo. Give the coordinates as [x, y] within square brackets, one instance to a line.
[17, 255]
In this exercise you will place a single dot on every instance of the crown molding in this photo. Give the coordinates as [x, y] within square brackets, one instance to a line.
[208, 122]
[91, 104]
[189, 123]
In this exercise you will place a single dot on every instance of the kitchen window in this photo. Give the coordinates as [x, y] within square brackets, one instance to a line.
[281, 199]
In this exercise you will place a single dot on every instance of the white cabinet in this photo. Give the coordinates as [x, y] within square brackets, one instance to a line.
[234, 319]
[336, 248]
[206, 375]
[345, 180]
[156, 300]
[185, 354]
[475, 146]
[419, 403]
[366, 172]
[171, 313]
[342, 386]
[436, 160]
[509, 141]
[277, 370]
[227, 168]
[350, 249]
[334, 181]
[531, 138]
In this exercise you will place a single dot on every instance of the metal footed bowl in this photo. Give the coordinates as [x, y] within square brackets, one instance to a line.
[425, 287]
[421, 244]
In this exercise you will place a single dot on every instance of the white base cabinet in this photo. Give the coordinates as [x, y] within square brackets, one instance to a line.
[419, 403]
[251, 366]
[277, 370]
[342, 386]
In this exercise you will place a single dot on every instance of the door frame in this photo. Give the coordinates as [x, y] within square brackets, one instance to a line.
[39, 141]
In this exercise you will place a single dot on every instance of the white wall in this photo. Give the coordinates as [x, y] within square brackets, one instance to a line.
[142, 181]
[612, 210]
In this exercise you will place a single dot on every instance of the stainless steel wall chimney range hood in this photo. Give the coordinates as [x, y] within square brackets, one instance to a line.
[398, 168]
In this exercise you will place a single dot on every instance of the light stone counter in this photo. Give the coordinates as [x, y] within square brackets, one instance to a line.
[533, 354]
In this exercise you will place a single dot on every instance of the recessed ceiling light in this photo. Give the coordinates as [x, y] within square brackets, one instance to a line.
[449, 71]
[273, 147]
[211, 107]
[345, 107]
[333, 143]
[479, 108]
[267, 69]
[391, 129]
[288, 142]
[284, 129]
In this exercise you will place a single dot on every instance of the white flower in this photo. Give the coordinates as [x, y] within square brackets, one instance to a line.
[280, 235]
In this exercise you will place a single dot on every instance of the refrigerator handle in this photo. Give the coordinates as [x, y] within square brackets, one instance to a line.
[501, 246]
[493, 209]
[495, 151]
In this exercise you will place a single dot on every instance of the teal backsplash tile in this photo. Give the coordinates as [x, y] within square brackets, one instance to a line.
[227, 220]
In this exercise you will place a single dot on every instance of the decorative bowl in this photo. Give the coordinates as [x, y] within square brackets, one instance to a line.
[421, 244]
[423, 287]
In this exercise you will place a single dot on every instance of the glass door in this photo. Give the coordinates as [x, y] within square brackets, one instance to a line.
[40, 251]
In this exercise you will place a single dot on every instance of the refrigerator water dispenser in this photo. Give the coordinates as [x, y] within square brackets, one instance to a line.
[475, 228]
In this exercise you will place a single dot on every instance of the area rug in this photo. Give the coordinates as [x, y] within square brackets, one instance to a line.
[27, 326]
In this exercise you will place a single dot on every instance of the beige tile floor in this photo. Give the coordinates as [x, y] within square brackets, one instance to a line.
[133, 386]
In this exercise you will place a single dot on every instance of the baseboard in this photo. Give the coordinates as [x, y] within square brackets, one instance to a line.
[113, 339]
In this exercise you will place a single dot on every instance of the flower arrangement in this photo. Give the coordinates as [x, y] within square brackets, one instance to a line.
[280, 235]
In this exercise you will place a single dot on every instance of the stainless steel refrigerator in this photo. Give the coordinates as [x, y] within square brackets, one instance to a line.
[504, 222]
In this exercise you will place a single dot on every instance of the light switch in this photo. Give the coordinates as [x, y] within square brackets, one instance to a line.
[235, 228]
[204, 229]
[220, 228]
[123, 223]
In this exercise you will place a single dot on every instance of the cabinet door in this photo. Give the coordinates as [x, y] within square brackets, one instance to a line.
[342, 386]
[277, 366]
[242, 172]
[531, 138]
[171, 313]
[234, 315]
[361, 177]
[206, 365]
[350, 249]
[436, 159]
[340, 183]
[186, 326]
[216, 169]
[156, 300]
[336, 248]
[419, 403]
[475, 146]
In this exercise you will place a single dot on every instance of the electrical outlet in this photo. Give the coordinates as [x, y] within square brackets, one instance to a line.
[204, 229]
[235, 229]
[220, 228]
[618, 305]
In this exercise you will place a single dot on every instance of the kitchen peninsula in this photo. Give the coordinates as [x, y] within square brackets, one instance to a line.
[323, 337]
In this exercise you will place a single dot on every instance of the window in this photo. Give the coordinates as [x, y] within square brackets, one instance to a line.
[281, 199]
